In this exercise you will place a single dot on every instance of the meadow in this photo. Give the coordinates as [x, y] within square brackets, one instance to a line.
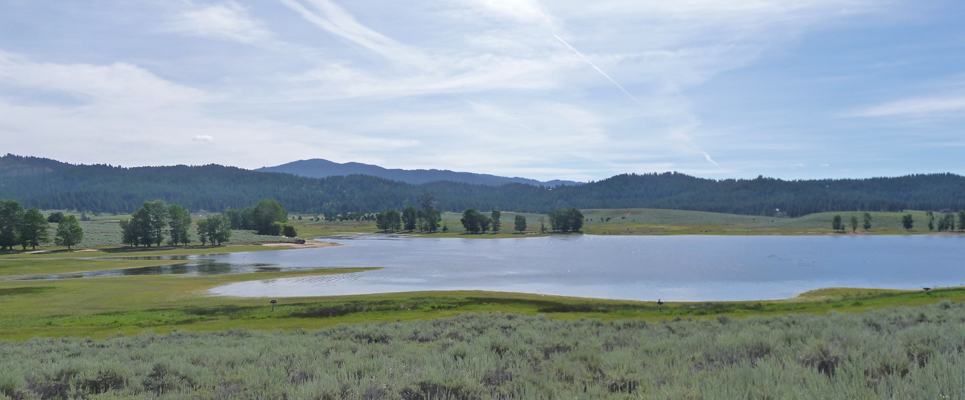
[641, 221]
[103, 231]
[907, 353]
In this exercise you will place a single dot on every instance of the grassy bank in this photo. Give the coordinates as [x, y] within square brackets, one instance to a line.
[907, 353]
[655, 222]
[98, 307]
[103, 231]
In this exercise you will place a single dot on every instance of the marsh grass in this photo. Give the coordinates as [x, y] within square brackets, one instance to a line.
[882, 354]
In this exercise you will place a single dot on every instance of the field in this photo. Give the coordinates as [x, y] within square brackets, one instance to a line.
[906, 353]
[164, 337]
[103, 231]
[98, 307]
[656, 222]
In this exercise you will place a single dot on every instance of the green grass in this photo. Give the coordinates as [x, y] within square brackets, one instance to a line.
[676, 222]
[828, 343]
[104, 231]
[904, 353]
[99, 306]
[652, 222]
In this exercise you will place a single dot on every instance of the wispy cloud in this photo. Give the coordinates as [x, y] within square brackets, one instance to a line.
[334, 19]
[229, 21]
[526, 11]
[116, 83]
[916, 107]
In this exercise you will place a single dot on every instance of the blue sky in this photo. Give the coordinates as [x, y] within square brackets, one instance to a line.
[547, 90]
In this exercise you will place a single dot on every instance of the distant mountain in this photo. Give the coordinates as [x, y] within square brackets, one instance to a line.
[320, 168]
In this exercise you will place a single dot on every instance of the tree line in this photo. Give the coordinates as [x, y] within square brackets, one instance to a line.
[156, 220]
[19, 227]
[946, 222]
[48, 184]
[425, 218]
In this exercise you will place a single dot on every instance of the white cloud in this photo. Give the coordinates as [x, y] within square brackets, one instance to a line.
[334, 19]
[922, 106]
[138, 118]
[118, 83]
[526, 11]
[229, 21]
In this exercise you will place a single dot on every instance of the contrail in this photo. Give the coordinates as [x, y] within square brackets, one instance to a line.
[707, 156]
[599, 70]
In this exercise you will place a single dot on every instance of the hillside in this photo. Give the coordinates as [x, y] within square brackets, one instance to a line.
[44, 183]
[320, 168]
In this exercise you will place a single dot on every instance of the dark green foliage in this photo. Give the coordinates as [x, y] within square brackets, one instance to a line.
[867, 221]
[288, 231]
[390, 220]
[566, 220]
[854, 223]
[32, 229]
[215, 229]
[54, 218]
[102, 188]
[157, 219]
[180, 222]
[267, 216]
[520, 223]
[410, 218]
[836, 223]
[495, 220]
[69, 232]
[472, 220]
[240, 219]
[430, 220]
[202, 231]
[961, 220]
[907, 221]
[147, 224]
[931, 220]
[904, 353]
[11, 212]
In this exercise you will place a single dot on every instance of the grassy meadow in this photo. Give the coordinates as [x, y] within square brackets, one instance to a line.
[103, 231]
[895, 353]
[654, 222]
[163, 336]
[98, 307]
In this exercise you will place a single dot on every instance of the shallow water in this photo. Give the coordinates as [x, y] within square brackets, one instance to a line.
[195, 265]
[674, 268]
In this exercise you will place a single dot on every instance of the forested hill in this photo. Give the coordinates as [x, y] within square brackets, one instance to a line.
[319, 168]
[48, 184]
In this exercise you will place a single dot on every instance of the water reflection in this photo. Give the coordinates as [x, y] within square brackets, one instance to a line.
[196, 267]
[692, 268]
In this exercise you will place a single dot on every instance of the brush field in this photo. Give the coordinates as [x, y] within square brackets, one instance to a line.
[906, 353]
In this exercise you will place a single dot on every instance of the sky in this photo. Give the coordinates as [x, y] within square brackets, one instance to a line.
[557, 89]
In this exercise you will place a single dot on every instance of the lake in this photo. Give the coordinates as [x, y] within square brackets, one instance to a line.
[671, 268]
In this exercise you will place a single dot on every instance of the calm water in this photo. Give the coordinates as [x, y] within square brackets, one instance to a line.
[196, 265]
[676, 268]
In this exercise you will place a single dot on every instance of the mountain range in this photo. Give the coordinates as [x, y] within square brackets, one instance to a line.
[49, 184]
[321, 168]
